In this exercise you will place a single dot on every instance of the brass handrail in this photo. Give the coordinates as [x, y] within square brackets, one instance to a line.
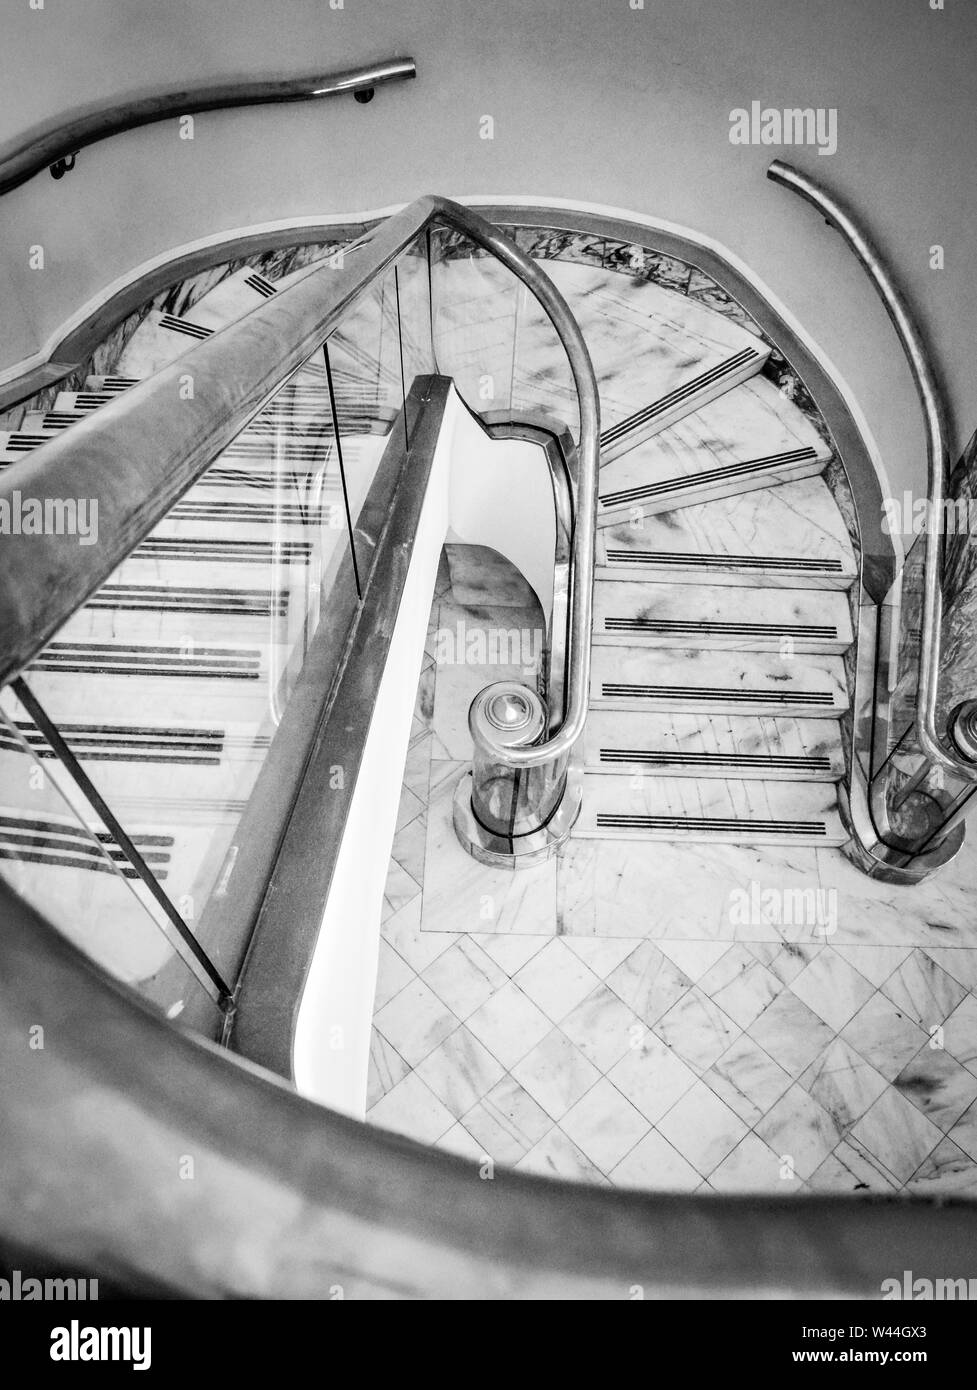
[50, 145]
[937, 448]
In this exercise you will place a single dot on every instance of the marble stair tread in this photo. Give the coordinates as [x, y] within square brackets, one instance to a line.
[767, 747]
[790, 536]
[709, 809]
[714, 616]
[231, 298]
[724, 682]
[15, 444]
[657, 355]
[180, 699]
[751, 437]
[649, 343]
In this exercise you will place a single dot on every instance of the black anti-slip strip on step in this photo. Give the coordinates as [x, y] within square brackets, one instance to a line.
[185, 326]
[660, 758]
[680, 394]
[103, 658]
[704, 626]
[691, 692]
[712, 475]
[687, 559]
[256, 603]
[234, 552]
[608, 821]
[260, 285]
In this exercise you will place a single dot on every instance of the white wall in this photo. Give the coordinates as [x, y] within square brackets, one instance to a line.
[469, 475]
[593, 101]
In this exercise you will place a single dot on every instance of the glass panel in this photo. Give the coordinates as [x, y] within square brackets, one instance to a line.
[57, 854]
[170, 684]
[366, 370]
[494, 338]
[414, 295]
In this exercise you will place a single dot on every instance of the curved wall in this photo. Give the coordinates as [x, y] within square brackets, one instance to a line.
[593, 101]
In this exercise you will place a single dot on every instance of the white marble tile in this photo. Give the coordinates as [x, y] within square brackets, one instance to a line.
[694, 958]
[876, 963]
[556, 1074]
[418, 948]
[958, 961]
[790, 1033]
[697, 1029]
[897, 1133]
[507, 1122]
[884, 1036]
[652, 1077]
[509, 1024]
[832, 988]
[648, 982]
[410, 1108]
[960, 1033]
[400, 888]
[964, 1132]
[601, 954]
[409, 846]
[946, 1172]
[415, 1021]
[800, 1131]
[785, 960]
[938, 1085]
[460, 1072]
[556, 980]
[654, 1165]
[510, 952]
[387, 1067]
[741, 985]
[464, 977]
[747, 1079]
[604, 1125]
[603, 1027]
[923, 991]
[393, 973]
[702, 1128]
[843, 1083]
[557, 1156]
[852, 1169]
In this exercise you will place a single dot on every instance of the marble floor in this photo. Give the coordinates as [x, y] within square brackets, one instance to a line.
[673, 1017]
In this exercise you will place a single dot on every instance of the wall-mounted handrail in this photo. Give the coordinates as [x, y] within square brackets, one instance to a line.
[137, 455]
[55, 141]
[937, 449]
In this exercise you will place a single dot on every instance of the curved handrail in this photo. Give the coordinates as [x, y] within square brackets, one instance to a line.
[53, 141]
[136, 456]
[937, 448]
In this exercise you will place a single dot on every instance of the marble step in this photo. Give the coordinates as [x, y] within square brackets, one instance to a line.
[717, 682]
[229, 694]
[709, 810]
[752, 437]
[791, 536]
[626, 743]
[717, 616]
[657, 354]
[144, 763]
